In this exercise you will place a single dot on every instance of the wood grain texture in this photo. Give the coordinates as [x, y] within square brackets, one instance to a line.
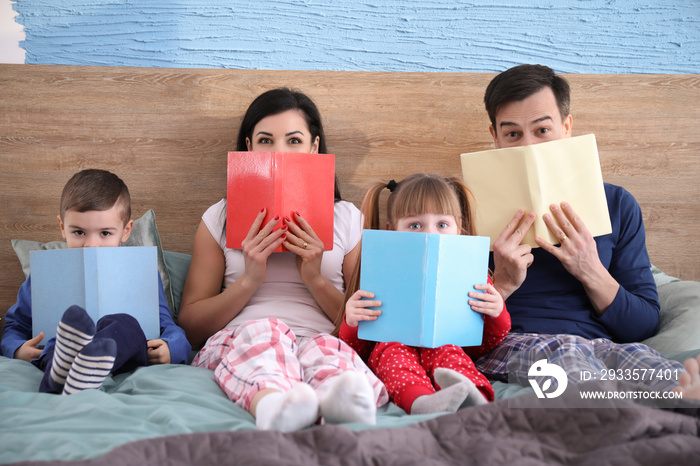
[166, 132]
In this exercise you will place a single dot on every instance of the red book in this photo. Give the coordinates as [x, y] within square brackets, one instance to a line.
[282, 183]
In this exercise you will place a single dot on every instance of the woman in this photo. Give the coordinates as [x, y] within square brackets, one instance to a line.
[267, 316]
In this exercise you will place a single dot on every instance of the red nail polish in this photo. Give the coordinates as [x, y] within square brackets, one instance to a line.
[277, 217]
[284, 228]
[284, 236]
[262, 210]
[297, 213]
[287, 219]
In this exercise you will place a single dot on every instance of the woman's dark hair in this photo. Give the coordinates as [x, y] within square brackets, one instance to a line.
[280, 100]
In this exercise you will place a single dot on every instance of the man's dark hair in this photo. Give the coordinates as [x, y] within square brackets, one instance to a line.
[522, 81]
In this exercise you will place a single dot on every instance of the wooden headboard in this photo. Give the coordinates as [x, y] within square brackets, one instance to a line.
[166, 132]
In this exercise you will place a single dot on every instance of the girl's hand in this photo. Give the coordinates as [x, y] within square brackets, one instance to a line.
[258, 245]
[489, 303]
[357, 309]
[158, 352]
[303, 241]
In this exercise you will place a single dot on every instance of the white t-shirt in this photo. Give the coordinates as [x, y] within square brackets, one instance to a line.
[283, 294]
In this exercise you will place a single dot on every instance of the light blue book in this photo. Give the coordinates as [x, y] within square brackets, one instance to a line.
[101, 280]
[423, 281]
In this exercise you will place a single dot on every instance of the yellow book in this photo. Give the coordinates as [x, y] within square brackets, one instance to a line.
[534, 177]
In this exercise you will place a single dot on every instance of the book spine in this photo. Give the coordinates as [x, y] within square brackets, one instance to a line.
[430, 285]
[91, 274]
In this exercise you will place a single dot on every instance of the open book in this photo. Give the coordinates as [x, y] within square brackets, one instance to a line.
[423, 281]
[100, 280]
[534, 177]
[282, 183]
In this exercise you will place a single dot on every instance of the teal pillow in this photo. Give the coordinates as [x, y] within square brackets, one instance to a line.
[178, 266]
[144, 233]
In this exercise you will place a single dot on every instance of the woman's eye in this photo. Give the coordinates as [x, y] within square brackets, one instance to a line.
[295, 141]
[264, 141]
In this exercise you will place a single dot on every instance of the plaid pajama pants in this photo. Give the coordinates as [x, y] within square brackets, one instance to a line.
[518, 351]
[266, 354]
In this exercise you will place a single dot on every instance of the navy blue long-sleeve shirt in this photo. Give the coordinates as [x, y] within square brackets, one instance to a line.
[551, 301]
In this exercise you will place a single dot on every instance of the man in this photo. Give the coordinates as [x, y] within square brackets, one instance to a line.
[580, 304]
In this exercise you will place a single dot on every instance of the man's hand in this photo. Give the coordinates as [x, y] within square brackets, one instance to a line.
[511, 258]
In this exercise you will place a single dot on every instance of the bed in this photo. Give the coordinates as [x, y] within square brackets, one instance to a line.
[166, 132]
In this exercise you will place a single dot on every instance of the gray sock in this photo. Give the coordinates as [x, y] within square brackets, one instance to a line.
[447, 400]
[448, 378]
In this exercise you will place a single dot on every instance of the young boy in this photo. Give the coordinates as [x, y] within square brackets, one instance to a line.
[95, 211]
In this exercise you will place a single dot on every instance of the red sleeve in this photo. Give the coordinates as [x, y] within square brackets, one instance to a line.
[349, 335]
[495, 330]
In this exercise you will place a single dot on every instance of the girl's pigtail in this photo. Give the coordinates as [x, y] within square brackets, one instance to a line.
[370, 210]
[465, 196]
[370, 206]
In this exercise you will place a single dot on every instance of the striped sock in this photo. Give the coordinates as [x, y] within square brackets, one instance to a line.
[92, 366]
[75, 330]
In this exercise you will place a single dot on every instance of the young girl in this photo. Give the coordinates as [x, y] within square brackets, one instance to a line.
[425, 380]
[267, 317]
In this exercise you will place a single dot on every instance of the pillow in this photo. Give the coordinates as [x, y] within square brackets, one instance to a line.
[679, 319]
[144, 233]
[178, 266]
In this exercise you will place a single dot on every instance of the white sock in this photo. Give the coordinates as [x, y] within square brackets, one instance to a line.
[350, 398]
[287, 412]
[447, 378]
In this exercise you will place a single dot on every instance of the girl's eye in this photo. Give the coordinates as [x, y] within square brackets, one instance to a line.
[414, 226]
[443, 225]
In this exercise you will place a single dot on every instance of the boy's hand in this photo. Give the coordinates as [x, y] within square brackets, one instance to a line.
[28, 351]
[489, 303]
[158, 352]
[357, 309]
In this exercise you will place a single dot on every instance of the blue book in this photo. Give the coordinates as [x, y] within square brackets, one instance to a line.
[423, 281]
[101, 280]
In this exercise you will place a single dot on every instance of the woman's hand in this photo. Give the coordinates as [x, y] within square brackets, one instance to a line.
[357, 309]
[303, 241]
[258, 245]
[158, 352]
[489, 303]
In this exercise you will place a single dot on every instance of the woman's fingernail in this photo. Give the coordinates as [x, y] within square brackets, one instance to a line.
[284, 228]
[277, 217]
[287, 219]
[284, 236]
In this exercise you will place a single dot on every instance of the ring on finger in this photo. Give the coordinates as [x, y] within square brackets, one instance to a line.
[562, 239]
[305, 245]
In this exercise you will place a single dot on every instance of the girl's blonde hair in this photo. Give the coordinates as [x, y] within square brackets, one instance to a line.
[416, 194]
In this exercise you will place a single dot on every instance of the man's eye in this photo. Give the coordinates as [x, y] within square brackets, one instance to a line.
[512, 134]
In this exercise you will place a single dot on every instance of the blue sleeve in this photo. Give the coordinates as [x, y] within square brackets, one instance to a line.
[180, 348]
[18, 321]
[634, 313]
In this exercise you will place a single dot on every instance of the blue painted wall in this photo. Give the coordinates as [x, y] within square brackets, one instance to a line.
[573, 36]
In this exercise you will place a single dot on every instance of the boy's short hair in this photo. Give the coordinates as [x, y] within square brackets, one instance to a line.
[94, 189]
[522, 81]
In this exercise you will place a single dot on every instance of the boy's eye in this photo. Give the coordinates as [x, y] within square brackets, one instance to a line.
[105, 233]
[78, 232]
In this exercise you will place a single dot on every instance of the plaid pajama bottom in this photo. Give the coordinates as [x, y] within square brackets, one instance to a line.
[519, 351]
[266, 354]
